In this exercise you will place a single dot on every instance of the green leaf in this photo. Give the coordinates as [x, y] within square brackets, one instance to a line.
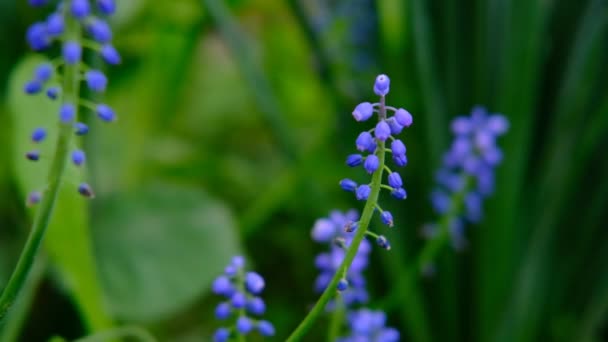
[161, 247]
[68, 240]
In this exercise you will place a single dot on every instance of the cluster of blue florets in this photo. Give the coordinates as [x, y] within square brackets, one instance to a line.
[367, 144]
[338, 230]
[242, 292]
[90, 16]
[468, 169]
[369, 325]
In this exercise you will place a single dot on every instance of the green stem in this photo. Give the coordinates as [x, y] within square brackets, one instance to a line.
[335, 323]
[366, 217]
[26, 260]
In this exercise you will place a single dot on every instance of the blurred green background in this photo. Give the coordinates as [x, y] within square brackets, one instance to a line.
[234, 121]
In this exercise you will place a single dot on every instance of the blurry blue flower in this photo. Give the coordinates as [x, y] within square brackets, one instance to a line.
[38, 135]
[221, 335]
[369, 325]
[32, 87]
[106, 7]
[33, 198]
[37, 37]
[99, 30]
[52, 93]
[43, 72]
[72, 52]
[78, 157]
[80, 8]
[85, 190]
[96, 80]
[266, 328]
[33, 155]
[105, 113]
[110, 55]
[81, 129]
[382, 85]
[67, 112]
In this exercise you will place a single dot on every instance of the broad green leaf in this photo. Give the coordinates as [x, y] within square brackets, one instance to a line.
[67, 240]
[161, 247]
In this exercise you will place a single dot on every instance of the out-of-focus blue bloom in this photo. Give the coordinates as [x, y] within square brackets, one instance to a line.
[266, 328]
[34, 198]
[32, 87]
[38, 135]
[67, 112]
[105, 113]
[80, 8]
[52, 93]
[106, 7]
[37, 37]
[55, 24]
[78, 157]
[85, 190]
[96, 80]
[221, 335]
[100, 31]
[72, 52]
[110, 54]
[369, 325]
[81, 129]
[467, 174]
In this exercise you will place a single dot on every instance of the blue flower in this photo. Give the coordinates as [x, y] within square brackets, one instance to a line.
[362, 192]
[348, 185]
[382, 85]
[242, 289]
[363, 111]
[394, 180]
[37, 37]
[38, 135]
[266, 328]
[32, 87]
[383, 131]
[371, 164]
[55, 24]
[81, 129]
[369, 325]
[33, 155]
[85, 190]
[100, 31]
[467, 174]
[34, 198]
[80, 8]
[387, 218]
[354, 160]
[43, 72]
[105, 113]
[365, 142]
[72, 52]
[78, 157]
[403, 117]
[52, 93]
[67, 112]
[106, 7]
[110, 55]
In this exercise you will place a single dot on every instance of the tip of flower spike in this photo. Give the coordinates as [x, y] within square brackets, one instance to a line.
[85, 190]
[363, 111]
[342, 284]
[34, 198]
[382, 85]
[383, 242]
[32, 155]
[55, 24]
[38, 135]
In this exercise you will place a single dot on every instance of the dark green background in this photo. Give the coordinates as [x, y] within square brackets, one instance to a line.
[234, 121]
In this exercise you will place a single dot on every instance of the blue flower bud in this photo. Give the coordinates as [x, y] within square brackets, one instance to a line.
[110, 55]
[365, 142]
[106, 7]
[80, 8]
[348, 185]
[244, 325]
[382, 85]
[52, 93]
[266, 328]
[400, 160]
[363, 111]
[33, 198]
[85, 190]
[461, 125]
[399, 194]
[78, 157]
[105, 113]
[342, 284]
[238, 261]
[238, 300]
[473, 206]
[223, 311]
[354, 160]
[81, 129]
[223, 286]
[497, 124]
[55, 24]
[37, 3]
[221, 335]
[403, 117]
[351, 226]
[371, 163]
[256, 306]
[230, 270]
[440, 201]
[396, 128]
[32, 87]
[33, 155]
[383, 131]
[397, 147]
[96, 80]
[394, 180]
[43, 72]
[362, 192]
[100, 31]
[72, 52]
[67, 112]
[254, 282]
[38, 135]
[387, 218]
[383, 242]
[37, 37]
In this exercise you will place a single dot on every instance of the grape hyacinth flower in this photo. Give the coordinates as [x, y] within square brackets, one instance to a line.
[91, 16]
[340, 227]
[242, 293]
[466, 177]
[369, 325]
[373, 149]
